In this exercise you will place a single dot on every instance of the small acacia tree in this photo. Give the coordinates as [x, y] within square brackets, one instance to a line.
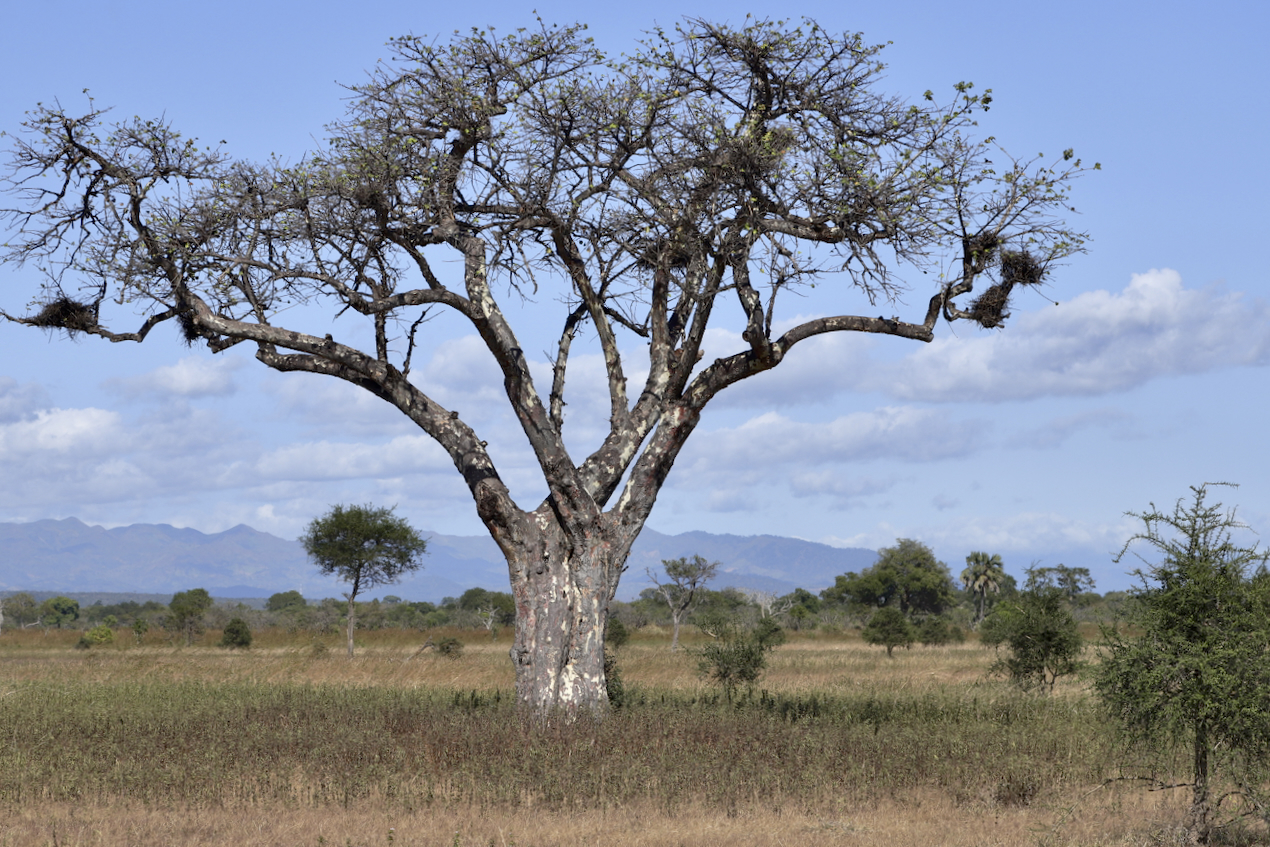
[645, 192]
[364, 546]
[1198, 674]
[684, 580]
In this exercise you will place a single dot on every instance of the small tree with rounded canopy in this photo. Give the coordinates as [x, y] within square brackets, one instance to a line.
[237, 634]
[907, 576]
[890, 628]
[364, 546]
[59, 611]
[285, 600]
[1042, 635]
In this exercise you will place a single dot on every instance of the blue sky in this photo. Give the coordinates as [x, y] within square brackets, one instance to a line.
[1147, 377]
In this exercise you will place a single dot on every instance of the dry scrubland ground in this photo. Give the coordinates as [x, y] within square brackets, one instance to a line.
[291, 743]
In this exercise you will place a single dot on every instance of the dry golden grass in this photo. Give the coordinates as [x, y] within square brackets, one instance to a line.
[1103, 819]
[928, 692]
[831, 664]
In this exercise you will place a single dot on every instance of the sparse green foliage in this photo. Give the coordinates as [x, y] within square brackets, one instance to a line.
[1073, 582]
[685, 579]
[737, 656]
[614, 686]
[20, 609]
[1042, 637]
[615, 634]
[236, 634]
[364, 546]
[186, 610]
[935, 630]
[1197, 675]
[140, 626]
[890, 628]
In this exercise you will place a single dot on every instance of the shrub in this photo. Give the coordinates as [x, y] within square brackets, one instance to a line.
[615, 633]
[95, 636]
[613, 684]
[1044, 643]
[236, 634]
[935, 630]
[890, 628]
[450, 647]
[736, 656]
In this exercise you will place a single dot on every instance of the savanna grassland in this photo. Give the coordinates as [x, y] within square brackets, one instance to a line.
[292, 743]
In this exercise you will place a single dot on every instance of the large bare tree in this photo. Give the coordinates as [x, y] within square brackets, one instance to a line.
[715, 164]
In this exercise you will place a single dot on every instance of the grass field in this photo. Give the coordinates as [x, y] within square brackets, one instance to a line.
[291, 743]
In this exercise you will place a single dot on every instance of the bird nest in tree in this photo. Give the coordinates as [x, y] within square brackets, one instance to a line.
[65, 313]
[189, 330]
[984, 246]
[989, 308]
[1018, 267]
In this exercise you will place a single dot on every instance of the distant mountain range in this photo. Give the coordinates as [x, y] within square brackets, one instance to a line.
[69, 555]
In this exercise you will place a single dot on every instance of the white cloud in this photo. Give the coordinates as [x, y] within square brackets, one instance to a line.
[842, 487]
[1096, 343]
[1055, 433]
[17, 400]
[191, 377]
[325, 460]
[891, 432]
[59, 431]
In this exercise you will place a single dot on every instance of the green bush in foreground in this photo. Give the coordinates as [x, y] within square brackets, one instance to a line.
[738, 656]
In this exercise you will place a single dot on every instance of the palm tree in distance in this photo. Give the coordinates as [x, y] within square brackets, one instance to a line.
[983, 573]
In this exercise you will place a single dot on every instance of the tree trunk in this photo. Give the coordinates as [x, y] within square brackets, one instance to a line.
[1198, 821]
[674, 638]
[562, 582]
[352, 620]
